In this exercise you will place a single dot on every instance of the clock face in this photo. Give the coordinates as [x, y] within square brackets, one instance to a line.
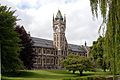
[56, 28]
[59, 28]
[62, 28]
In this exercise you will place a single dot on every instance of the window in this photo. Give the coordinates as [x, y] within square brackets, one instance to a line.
[44, 60]
[51, 60]
[55, 43]
[39, 50]
[55, 38]
[36, 50]
[39, 60]
[56, 62]
[48, 51]
[48, 60]
[54, 52]
[44, 51]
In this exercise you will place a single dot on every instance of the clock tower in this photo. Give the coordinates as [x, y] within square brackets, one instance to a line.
[59, 39]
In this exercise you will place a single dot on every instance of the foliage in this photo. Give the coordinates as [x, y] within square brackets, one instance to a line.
[26, 55]
[77, 63]
[9, 41]
[110, 11]
[87, 78]
[97, 54]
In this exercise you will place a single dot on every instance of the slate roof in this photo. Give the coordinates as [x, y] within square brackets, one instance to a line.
[76, 48]
[39, 42]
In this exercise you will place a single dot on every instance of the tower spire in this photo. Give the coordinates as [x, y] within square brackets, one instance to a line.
[53, 17]
[64, 18]
[59, 15]
[85, 43]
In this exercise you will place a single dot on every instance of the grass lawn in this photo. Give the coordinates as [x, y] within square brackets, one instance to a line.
[49, 75]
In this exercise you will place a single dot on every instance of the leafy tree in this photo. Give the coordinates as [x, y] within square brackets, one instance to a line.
[77, 63]
[9, 41]
[26, 55]
[97, 54]
[110, 11]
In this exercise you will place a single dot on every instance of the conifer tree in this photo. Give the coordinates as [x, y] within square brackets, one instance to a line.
[9, 41]
[26, 54]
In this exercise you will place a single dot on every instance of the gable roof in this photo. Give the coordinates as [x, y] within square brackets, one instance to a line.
[39, 42]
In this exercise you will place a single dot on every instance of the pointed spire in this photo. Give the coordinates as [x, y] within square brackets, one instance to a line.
[28, 32]
[53, 17]
[59, 15]
[85, 43]
[64, 17]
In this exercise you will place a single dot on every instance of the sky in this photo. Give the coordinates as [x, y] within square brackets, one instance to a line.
[36, 17]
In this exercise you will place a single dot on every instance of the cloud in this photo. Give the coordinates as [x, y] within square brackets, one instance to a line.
[36, 16]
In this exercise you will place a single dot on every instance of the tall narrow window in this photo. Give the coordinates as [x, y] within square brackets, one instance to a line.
[39, 50]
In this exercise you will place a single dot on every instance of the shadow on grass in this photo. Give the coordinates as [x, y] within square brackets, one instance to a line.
[84, 74]
[26, 74]
[34, 74]
[65, 72]
[59, 71]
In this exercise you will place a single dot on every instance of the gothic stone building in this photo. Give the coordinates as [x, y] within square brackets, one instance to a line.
[49, 53]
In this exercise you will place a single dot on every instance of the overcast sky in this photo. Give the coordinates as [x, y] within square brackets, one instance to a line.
[36, 16]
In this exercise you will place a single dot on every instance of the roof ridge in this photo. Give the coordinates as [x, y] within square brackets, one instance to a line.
[41, 38]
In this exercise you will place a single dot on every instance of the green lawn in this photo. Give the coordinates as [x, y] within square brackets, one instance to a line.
[49, 75]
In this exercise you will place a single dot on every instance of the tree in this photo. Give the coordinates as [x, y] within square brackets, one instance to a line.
[111, 19]
[9, 41]
[27, 54]
[77, 63]
[97, 54]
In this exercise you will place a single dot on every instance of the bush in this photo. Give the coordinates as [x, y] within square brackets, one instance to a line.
[86, 78]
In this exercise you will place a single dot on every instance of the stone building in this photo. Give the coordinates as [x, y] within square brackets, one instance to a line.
[49, 53]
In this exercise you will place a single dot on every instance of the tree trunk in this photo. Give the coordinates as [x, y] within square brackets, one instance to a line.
[73, 71]
[104, 70]
[110, 69]
[81, 72]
